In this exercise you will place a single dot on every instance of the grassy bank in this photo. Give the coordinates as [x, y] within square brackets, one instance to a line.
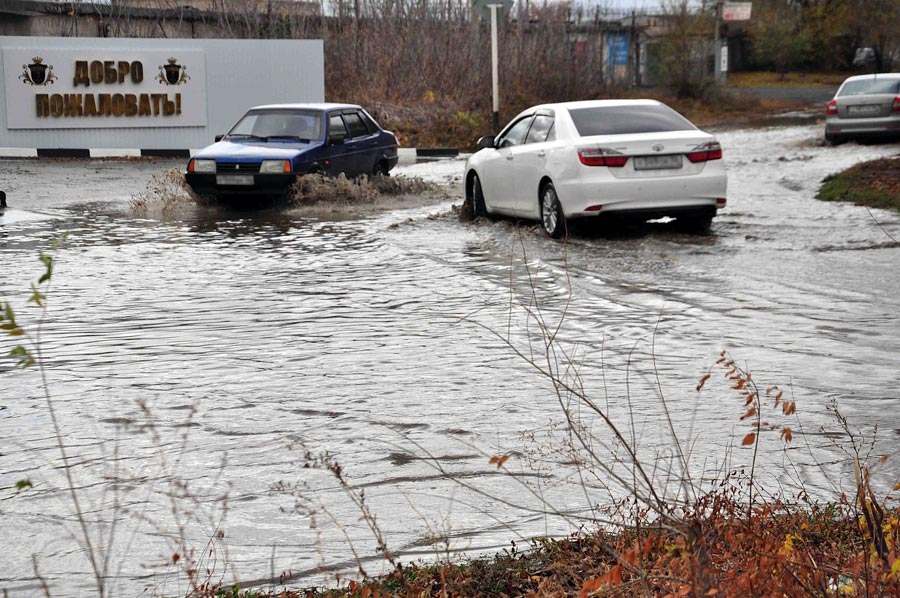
[780, 549]
[875, 184]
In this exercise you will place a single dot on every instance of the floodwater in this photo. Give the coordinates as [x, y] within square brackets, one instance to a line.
[201, 363]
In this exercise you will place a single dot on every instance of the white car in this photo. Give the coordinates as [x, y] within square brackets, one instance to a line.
[633, 158]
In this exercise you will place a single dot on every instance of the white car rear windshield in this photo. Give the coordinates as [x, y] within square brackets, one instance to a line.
[870, 86]
[624, 120]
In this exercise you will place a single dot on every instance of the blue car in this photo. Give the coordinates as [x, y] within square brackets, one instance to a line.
[271, 145]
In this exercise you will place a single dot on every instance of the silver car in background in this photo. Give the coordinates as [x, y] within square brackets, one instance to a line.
[864, 106]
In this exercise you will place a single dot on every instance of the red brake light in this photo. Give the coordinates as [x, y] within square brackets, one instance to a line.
[602, 157]
[190, 166]
[706, 152]
[831, 107]
[896, 106]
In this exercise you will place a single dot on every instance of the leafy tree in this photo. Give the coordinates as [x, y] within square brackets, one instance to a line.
[780, 35]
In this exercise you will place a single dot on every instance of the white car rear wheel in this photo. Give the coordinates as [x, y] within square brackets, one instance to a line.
[552, 218]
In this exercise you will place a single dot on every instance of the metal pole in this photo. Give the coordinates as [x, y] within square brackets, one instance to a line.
[717, 46]
[494, 61]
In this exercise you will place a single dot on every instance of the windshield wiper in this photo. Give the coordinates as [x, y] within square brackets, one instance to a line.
[244, 136]
[290, 137]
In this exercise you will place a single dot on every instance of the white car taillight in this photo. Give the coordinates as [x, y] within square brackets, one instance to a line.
[600, 156]
[705, 152]
[831, 108]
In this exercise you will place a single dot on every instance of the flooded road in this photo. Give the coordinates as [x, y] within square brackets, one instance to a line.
[201, 363]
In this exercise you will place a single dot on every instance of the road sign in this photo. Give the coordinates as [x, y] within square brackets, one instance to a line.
[617, 49]
[483, 7]
[736, 11]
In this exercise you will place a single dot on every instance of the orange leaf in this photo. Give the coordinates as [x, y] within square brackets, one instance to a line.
[749, 413]
[740, 384]
[897, 487]
[768, 391]
[748, 439]
[884, 459]
[712, 592]
[792, 406]
[590, 586]
[778, 396]
[786, 434]
[703, 381]
[499, 461]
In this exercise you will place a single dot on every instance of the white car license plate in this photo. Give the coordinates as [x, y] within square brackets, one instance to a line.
[869, 109]
[234, 179]
[657, 162]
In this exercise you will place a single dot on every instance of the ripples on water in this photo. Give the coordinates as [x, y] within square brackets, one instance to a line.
[216, 348]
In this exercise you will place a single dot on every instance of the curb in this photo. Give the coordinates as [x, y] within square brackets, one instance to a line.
[18, 152]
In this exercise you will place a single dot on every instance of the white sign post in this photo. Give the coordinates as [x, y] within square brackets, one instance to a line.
[489, 9]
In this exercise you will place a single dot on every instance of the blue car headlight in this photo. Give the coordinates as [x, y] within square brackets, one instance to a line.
[275, 166]
[202, 166]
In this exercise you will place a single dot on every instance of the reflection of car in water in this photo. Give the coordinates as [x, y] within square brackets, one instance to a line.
[864, 106]
[271, 145]
[636, 159]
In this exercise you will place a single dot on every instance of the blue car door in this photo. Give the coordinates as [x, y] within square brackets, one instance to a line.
[337, 158]
[362, 146]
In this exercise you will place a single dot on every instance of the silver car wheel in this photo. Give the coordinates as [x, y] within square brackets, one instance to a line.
[551, 214]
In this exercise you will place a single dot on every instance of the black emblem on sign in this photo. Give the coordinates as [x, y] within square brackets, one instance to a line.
[37, 73]
[173, 73]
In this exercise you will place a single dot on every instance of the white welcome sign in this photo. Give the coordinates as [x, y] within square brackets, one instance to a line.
[75, 88]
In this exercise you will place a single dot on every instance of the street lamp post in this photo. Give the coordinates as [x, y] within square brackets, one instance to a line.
[490, 9]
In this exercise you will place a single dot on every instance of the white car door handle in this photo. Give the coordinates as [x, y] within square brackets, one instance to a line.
[541, 154]
[509, 157]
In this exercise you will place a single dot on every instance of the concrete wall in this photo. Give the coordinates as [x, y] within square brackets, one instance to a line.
[238, 74]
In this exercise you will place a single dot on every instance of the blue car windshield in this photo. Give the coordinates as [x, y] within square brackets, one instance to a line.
[305, 125]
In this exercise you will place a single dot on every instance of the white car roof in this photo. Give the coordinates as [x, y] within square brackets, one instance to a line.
[308, 106]
[595, 104]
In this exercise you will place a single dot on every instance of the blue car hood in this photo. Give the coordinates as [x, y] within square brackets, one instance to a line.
[256, 150]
